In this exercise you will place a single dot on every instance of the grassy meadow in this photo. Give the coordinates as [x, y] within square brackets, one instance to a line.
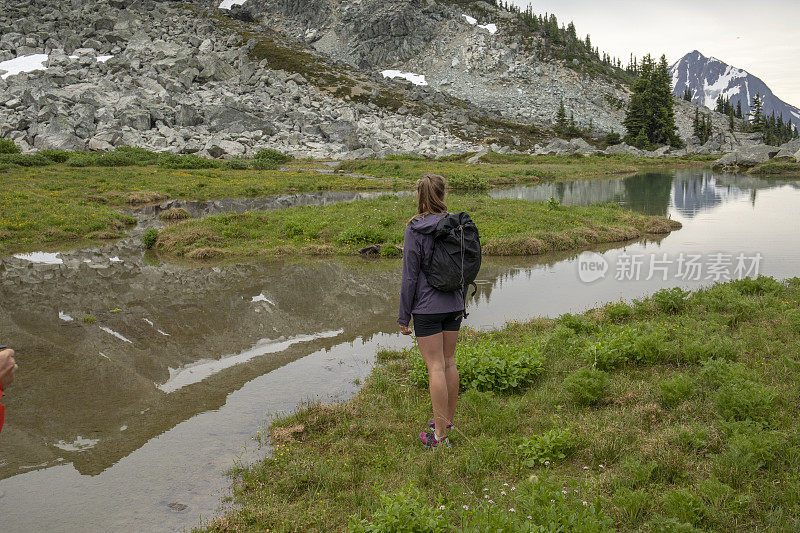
[53, 199]
[507, 226]
[676, 413]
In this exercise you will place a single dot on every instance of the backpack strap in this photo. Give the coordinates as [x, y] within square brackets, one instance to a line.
[466, 295]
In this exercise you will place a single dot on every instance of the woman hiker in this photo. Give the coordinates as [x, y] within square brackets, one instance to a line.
[437, 315]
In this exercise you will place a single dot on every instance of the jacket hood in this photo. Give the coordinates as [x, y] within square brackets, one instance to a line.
[426, 224]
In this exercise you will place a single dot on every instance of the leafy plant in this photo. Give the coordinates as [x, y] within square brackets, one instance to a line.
[674, 390]
[670, 300]
[587, 386]
[237, 163]
[56, 156]
[185, 161]
[7, 146]
[272, 156]
[150, 237]
[548, 447]
[402, 511]
[490, 366]
[553, 204]
[685, 505]
[25, 160]
[81, 159]
[613, 348]
[744, 400]
[264, 164]
[632, 504]
[468, 183]
[390, 250]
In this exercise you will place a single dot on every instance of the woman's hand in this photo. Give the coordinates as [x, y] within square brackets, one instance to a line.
[7, 368]
[405, 330]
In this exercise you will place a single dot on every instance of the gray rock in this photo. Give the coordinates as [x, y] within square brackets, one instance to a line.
[624, 149]
[338, 131]
[138, 119]
[789, 149]
[58, 134]
[233, 120]
[221, 148]
[746, 157]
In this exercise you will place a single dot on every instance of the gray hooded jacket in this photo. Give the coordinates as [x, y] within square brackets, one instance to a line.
[416, 296]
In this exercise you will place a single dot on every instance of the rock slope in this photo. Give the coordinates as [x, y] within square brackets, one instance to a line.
[180, 79]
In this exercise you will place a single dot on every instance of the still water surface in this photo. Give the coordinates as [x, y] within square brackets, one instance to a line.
[128, 418]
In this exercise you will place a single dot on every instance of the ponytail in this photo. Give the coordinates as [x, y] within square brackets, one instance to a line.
[430, 196]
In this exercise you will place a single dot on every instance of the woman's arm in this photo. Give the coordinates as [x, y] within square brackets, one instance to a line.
[412, 259]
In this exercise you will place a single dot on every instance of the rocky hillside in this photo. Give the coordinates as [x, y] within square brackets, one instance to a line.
[476, 52]
[314, 78]
[180, 76]
[709, 78]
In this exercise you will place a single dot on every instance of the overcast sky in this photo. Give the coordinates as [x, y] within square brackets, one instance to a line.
[761, 37]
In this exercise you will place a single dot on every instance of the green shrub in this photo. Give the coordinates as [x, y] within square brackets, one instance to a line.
[676, 389]
[578, 324]
[141, 156]
[116, 159]
[274, 156]
[747, 451]
[390, 250]
[613, 348]
[670, 300]
[405, 157]
[150, 237]
[587, 386]
[617, 311]
[7, 146]
[717, 372]
[25, 160]
[548, 447]
[710, 347]
[186, 161]
[468, 183]
[489, 366]
[744, 400]
[81, 159]
[403, 511]
[56, 156]
[685, 505]
[362, 235]
[237, 163]
[264, 164]
[561, 341]
[758, 286]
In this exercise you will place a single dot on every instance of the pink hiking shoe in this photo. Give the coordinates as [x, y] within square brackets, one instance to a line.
[429, 440]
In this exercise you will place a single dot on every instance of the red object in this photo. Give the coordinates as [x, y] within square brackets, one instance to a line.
[2, 410]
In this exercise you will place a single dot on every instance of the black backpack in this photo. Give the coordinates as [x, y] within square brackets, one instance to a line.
[456, 256]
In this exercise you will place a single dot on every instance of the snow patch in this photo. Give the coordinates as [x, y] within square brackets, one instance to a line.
[33, 62]
[796, 114]
[227, 4]
[78, 445]
[416, 79]
[115, 259]
[19, 64]
[45, 258]
[261, 298]
[491, 28]
[117, 335]
[200, 370]
[65, 317]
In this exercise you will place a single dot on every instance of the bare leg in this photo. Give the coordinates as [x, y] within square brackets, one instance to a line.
[449, 340]
[431, 348]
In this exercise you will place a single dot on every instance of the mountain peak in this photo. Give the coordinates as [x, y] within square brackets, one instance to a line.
[708, 78]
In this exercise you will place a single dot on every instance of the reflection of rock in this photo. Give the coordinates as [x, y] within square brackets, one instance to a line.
[81, 381]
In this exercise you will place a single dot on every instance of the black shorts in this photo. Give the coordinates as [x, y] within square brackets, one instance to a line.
[431, 324]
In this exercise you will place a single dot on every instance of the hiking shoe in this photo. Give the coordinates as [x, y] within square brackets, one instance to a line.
[430, 441]
[432, 425]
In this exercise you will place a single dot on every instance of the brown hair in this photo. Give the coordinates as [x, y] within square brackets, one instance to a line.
[430, 195]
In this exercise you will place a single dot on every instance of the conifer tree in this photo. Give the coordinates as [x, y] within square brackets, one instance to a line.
[687, 94]
[757, 120]
[739, 110]
[561, 119]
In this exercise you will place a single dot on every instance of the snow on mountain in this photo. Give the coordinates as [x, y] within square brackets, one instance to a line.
[416, 79]
[708, 78]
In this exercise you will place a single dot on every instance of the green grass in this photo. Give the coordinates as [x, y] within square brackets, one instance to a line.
[507, 227]
[56, 205]
[677, 442]
[511, 169]
[776, 168]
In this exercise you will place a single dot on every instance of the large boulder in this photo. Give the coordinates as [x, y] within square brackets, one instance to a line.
[623, 149]
[223, 148]
[557, 147]
[58, 134]
[232, 120]
[789, 149]
[746, 157]
[338, 131]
